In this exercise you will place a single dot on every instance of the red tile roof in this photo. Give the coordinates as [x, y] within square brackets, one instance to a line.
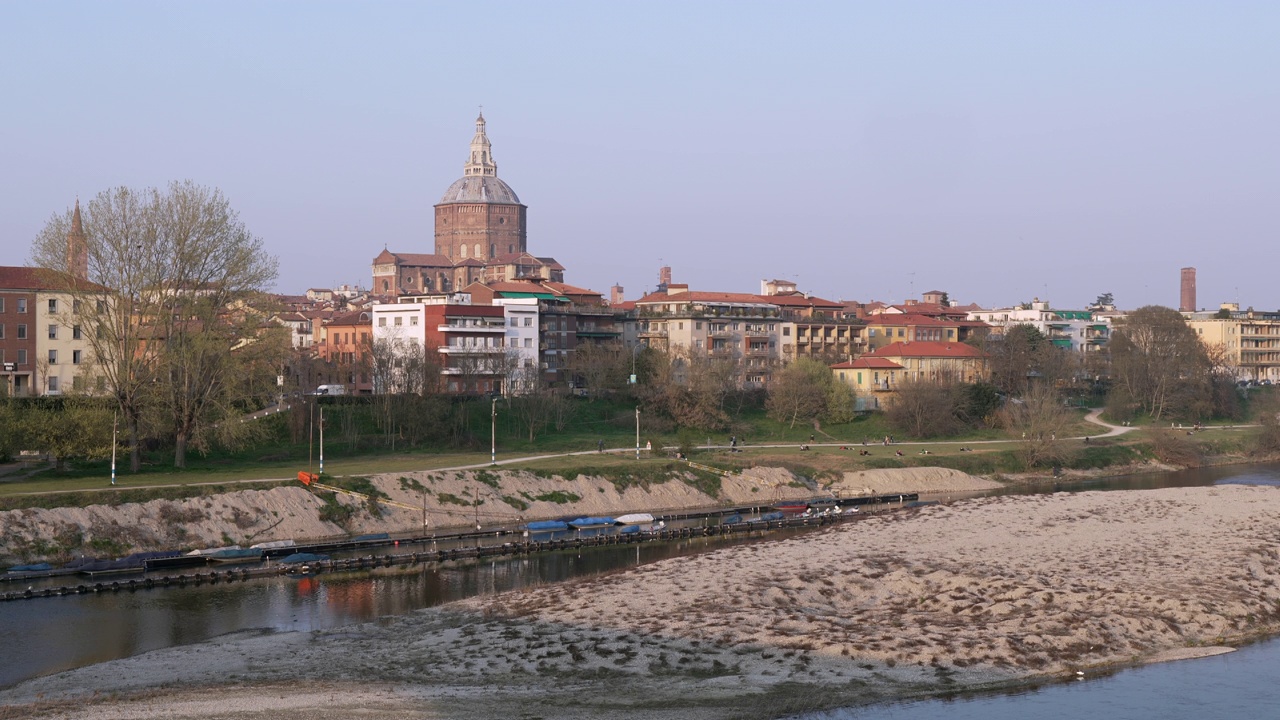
[927, 349]
[705, 297]
[32, 278]
[421, 259]
[351, 318]
[865, 362]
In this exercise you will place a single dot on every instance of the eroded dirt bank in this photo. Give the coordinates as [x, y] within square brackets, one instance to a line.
[453, 499]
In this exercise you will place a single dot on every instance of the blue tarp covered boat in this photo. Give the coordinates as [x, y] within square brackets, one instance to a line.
[541, 526]
[302, 558]
[583, 523]
[37, 567]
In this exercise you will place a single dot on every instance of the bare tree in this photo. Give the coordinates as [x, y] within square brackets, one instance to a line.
[800, 391]
[924, 409]
[165, 271]
[1041, 421]
[598, 367]
[1159, 362]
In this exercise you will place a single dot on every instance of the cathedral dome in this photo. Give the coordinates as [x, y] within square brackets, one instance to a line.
[480, 189]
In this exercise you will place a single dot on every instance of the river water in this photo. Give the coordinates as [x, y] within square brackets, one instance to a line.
[61, 633]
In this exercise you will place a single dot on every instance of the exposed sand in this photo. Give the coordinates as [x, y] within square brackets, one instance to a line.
[978, 594]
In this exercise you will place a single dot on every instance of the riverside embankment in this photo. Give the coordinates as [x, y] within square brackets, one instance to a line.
[450, 499]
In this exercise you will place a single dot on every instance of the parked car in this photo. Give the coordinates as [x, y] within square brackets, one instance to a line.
[331, 390]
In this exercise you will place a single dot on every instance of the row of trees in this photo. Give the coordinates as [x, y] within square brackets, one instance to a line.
[173, 305]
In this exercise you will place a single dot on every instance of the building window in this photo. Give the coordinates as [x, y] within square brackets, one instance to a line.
[1, 304]
[528, 322]
[75, 357]
[75, 332]
[22, 305]
[528, 342]
[53, 357]
[53, 383]
[398, 321]
[382, 322]
[22, 332]
[53, 332]
[413, 320]
[1, 331]
[22, 356]
[53, 305]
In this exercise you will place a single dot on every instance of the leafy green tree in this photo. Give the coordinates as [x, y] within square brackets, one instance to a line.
[67, 428]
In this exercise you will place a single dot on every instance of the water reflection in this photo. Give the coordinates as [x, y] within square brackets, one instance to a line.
[72, 631]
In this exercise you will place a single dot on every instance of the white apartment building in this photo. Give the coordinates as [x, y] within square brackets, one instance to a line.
[1081, 331]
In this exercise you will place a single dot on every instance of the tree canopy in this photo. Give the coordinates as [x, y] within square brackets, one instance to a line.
[173, 293]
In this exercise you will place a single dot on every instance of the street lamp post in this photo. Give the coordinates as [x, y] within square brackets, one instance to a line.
[115, 420]
[493, 431]
[321, 439]
[637, 433]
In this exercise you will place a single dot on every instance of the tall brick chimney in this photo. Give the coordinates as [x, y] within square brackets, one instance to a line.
[1188, 300]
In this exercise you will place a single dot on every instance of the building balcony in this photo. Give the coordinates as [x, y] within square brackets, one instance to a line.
[653, 333]
[472, 328]
[472, 350]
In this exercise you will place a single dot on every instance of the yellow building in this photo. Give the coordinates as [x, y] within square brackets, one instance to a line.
[1249, 339]
[882, 370]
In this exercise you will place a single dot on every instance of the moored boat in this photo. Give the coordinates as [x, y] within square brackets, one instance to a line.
[634, 519]
[273, 545]
[591, 523]
[237, 555]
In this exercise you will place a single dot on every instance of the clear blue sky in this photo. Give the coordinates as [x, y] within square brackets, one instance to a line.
[998, 151]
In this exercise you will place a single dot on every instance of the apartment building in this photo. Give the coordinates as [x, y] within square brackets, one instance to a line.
[811, 326]
[741, 328]
[343, 345]
[568, 317]
[1081, 331]
[470, 341]
[1250, 339]
[44, 345]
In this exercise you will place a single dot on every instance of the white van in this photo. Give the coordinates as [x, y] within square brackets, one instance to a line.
[331, 390]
